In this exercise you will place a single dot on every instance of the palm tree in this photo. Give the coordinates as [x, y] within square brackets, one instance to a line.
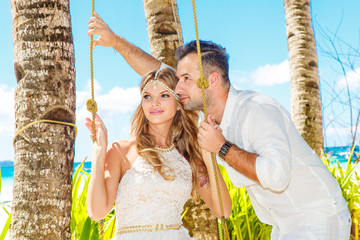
[164, 29]
[44, 152]
[305, 93]
[165, 36]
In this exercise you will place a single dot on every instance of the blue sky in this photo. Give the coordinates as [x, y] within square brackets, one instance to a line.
[254, 34]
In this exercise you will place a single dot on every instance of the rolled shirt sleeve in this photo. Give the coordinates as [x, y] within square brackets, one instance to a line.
[267, 134]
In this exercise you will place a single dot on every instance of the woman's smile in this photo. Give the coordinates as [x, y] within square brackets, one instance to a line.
[156, 111]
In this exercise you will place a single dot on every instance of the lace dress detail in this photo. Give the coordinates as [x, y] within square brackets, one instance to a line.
[145, 198]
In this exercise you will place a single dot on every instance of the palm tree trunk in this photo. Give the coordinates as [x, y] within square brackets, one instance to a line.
[164, 29]
[44, 152]
[165, 36]
[305, 93]
[200, 221]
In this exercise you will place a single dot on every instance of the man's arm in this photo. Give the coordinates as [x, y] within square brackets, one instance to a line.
[211, 139]
[243, 161]
[139, 60]
[270, 164]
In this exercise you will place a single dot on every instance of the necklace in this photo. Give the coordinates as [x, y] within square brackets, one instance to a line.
[166, 149]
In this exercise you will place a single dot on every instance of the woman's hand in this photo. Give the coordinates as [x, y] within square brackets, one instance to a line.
[100, 131]
[107, 38]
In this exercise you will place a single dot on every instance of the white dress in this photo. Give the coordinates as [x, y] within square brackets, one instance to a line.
[147, 201]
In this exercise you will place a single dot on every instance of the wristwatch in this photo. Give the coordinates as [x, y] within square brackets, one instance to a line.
[224, 149]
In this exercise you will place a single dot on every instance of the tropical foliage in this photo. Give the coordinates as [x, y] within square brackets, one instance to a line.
[242, 224]
[7, 223]
[82, 227]
[349, 181]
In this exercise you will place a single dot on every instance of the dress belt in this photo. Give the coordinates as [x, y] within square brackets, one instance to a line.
[147, 228]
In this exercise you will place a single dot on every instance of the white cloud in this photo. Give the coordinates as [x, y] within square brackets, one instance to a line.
[268, 75]
[120, 100]
[352, 79]
[7, 112]
[116, 101]
[83, 95]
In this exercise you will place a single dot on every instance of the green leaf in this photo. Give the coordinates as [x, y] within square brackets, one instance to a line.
[6, 228]
[85, 233]
[349, 172]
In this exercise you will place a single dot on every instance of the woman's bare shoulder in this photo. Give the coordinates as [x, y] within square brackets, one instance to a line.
[124, 145]
[124, 149]
[124, 152]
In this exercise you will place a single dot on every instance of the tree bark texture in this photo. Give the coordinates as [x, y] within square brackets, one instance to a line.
[305, 92]
[44, 152]
[200, 221]
[164, 29]
[165, 36]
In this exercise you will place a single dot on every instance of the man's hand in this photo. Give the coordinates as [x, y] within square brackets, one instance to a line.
[210, 136]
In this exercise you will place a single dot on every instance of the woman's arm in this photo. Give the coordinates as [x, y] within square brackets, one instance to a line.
[139, 60]
[206, 187]
[105, 173]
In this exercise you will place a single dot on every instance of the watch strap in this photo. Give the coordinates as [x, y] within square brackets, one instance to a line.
[224, 149]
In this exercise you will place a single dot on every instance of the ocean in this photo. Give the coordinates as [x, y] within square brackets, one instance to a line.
[334, 154]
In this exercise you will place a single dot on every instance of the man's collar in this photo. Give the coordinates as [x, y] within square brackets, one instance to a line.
[230, 101]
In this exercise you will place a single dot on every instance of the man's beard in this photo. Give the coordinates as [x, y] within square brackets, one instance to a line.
[196, 104]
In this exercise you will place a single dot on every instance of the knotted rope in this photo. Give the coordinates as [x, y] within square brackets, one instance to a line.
[202, 82]
[91, 103]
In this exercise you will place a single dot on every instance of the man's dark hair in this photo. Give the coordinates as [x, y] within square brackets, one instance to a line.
[213, 58]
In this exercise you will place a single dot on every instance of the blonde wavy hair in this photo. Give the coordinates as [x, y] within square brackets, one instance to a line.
[183, 130]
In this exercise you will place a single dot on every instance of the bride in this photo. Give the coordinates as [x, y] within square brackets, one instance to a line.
[150, 176]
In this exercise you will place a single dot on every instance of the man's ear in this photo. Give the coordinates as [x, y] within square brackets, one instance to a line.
[214, 79]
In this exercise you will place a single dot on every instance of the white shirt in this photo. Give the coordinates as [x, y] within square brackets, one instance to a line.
[295, 186]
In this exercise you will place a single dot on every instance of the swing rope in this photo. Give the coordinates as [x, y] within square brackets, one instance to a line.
[43, 121]
[91, 105]
[202, 82]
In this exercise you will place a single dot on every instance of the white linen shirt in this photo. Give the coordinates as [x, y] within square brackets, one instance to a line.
[295, 186]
